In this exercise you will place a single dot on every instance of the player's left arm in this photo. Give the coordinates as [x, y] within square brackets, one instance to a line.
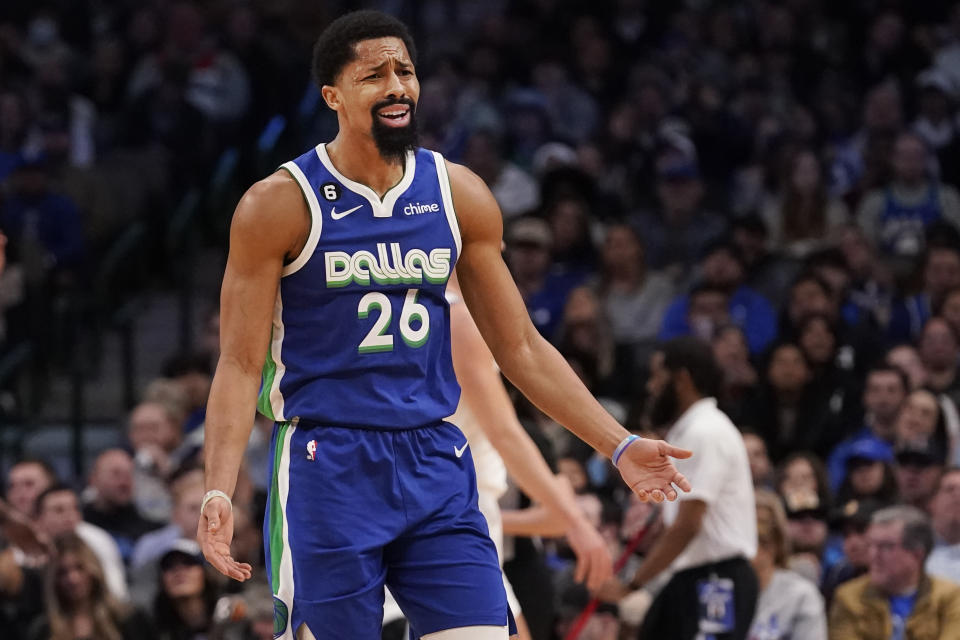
[528, 360]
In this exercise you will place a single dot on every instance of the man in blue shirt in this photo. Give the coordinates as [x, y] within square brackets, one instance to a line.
[722, 268]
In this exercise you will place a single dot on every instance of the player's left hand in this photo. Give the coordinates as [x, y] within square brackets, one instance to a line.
[647, 469]
[215, 533]
[594, 564]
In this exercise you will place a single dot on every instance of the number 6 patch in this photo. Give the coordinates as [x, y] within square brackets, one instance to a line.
[330, 191]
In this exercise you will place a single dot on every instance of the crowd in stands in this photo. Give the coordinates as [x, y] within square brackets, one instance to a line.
[777, 179]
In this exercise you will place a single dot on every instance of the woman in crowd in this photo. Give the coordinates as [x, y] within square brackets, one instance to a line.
[184, 605]
[634, 298]
[78, 604]
[789, 605]
[799, 218]
[869, 475]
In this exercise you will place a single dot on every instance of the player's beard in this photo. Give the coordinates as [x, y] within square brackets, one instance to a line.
[394, 142]
[665, 406]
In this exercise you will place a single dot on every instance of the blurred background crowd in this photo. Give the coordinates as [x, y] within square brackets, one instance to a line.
[776, 179]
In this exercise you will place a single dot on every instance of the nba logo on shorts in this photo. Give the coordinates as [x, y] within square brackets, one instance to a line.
[312, 450]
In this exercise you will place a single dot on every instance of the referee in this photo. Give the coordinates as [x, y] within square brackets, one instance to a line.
[711, 532]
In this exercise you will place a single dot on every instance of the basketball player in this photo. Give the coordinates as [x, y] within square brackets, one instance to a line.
[337, 269]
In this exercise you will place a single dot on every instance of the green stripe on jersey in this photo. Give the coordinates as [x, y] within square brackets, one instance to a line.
[269, 373]
[276, 510]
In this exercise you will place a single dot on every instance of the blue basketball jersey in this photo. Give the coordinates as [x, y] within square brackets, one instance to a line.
[361, 329]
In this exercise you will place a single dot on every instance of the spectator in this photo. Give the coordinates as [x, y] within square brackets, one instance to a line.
[802, 473]
[786, 411]
[21, 587]
[767, 272]
[800, 218]
[707, 310]
[920, 419]
[906, 358]
[111, 505]
[934, 123]
[680, 230]
[187, 596]
[761, 469]
[515, 190]
[871, 290]
[41, 222]
[898, 215]
[944, 560]
[941, 273]
[885, 392]
[26, 480]
[807, 514]
[529, 241]
[949, 310]
[833, 384]
[939, 352]
[721, 268]
[187, 491]
[58, 513]
[852, 519]
[192, 371]
[633, 296]
[585, 337]
[78, 602]
[897, 598]
[869, 474]
[569, 217]
[919, 466]
[788, 605]
[711, 531]
[739, 375]
[155, 433]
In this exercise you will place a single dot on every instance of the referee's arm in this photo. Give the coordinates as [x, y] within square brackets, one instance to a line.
[672, 542]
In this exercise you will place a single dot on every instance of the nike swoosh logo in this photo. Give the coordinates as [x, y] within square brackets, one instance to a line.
[460, 451]
[343, 214]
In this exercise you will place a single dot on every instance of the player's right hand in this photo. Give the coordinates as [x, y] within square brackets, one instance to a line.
[214, 533]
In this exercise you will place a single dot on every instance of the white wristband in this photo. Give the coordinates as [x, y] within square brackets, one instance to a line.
[215, 493]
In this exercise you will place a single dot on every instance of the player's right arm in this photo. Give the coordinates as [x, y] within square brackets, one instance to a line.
[269, 227]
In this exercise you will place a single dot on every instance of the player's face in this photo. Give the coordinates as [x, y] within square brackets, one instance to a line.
[377, 94]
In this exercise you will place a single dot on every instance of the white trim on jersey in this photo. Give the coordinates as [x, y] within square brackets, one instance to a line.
[316, 217]
[381, 209]
[286, 586]
[447, 195]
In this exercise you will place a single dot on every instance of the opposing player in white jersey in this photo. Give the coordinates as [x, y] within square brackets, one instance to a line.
[500, 445]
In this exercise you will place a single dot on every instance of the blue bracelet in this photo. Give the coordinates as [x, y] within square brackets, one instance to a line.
[626, 442]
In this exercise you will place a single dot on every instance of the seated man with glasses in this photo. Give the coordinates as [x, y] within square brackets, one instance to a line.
[897, 600]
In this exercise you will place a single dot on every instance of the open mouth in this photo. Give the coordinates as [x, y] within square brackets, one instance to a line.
[396, 115]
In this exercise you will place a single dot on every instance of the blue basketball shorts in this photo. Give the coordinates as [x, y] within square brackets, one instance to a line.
[353, 509]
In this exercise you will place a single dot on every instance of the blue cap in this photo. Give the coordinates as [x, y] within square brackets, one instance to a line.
[870, 449]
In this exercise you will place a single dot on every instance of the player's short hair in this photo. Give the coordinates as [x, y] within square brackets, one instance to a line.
[336, 46]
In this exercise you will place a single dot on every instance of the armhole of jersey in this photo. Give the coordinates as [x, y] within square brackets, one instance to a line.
[447, 194]
[316, 219]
